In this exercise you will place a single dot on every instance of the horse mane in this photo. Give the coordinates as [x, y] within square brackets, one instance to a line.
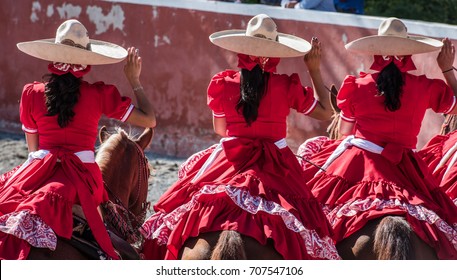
[106, 142]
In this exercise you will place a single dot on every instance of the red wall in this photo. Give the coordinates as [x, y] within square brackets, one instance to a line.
[179, 60]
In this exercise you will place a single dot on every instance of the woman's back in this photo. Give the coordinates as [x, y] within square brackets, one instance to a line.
[361, 101]
[81, 133]
[283, 92]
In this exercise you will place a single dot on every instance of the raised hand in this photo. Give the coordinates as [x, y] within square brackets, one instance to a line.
[132, 68]
[313, 57]
[446, 56]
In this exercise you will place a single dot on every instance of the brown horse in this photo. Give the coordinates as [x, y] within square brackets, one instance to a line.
[125, 171]
[385, 238]
[226, 245]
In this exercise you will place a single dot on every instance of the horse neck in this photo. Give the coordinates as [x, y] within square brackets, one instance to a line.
[125, 179]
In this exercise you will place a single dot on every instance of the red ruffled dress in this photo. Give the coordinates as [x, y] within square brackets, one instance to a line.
[440, 155]
[376, 172]
[36, 198]
[250, 182]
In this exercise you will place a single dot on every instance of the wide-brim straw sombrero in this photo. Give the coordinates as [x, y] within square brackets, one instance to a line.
[72, 45]
[261, 39]
[393, 39]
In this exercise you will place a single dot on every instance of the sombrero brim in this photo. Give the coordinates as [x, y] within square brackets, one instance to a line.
[237, 41]
[392, 45]
[101, 52]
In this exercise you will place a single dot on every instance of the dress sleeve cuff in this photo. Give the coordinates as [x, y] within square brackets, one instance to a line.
[29, 130]
[127, 113]
[310, 109]
[452, 106]
[347, 118]
[218, 115]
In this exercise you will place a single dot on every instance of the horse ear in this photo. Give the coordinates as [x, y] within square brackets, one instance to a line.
[145, 138]
[333, 94]
[103, 134]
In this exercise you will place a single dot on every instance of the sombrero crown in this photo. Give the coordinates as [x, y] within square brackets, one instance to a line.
[261, 38]
[72, 45]
[393, 39]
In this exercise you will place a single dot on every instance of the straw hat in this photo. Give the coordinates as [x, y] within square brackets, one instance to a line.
[261, 38]
[72, 45]
[393, 39]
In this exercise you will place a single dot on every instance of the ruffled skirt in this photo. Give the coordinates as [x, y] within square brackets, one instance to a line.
[360, 185]
[441, 157]
[36, 204]
[246, 185]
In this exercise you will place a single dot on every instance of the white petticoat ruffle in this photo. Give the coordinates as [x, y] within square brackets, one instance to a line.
[160, 225]
[419, 212]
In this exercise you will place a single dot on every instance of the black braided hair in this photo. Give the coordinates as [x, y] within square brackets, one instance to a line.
[390, 84]
[62, 94]
[253, 86]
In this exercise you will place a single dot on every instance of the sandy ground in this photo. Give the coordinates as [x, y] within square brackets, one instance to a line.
[13, 151]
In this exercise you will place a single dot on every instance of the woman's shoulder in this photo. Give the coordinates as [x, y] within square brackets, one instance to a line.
[292, 77]
[98, 86]
[227, 75]
[425, 83]
[33, 88]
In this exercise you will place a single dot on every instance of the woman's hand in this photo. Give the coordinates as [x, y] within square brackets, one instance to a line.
[132, 68]
[446, 56]
[313, 57]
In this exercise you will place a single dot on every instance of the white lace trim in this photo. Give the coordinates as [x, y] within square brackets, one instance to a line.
[30, 228]
[417, 211]
[160, 225]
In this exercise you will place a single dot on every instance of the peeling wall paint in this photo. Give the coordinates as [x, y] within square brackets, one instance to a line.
[67, 11]
[36, 7]
[179, 60]
[115, 18]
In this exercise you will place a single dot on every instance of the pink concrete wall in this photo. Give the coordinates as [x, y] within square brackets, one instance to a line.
[178, 59]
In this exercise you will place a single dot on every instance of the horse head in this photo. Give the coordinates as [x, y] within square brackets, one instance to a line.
[125, 170]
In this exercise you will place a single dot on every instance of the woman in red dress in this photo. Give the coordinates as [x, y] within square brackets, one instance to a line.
[440, 152]
[250, 182]
[374, 171]
[60, 120]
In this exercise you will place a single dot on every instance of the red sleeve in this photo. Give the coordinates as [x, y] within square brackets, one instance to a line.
[215, 91]
[113, 104]
[25, 110]
[442, 99]
[343, 99]
[300, 98]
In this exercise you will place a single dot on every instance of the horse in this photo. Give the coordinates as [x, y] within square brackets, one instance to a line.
[125, 170]
[227, 245]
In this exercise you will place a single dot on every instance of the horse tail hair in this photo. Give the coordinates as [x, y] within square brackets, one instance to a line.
[392, 239]
[229, 247]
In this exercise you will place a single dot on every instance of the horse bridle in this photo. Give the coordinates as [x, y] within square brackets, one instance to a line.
[129, 228]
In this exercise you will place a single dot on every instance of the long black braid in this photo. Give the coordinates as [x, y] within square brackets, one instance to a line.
[62, 94]
[390, 84]
[253, 87]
